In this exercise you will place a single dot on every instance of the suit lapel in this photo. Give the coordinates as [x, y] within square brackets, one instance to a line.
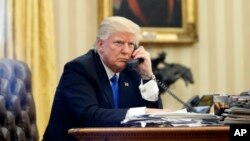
[104, 82]
[125, 89]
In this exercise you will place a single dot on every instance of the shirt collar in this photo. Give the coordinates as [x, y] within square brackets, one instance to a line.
[109, 72]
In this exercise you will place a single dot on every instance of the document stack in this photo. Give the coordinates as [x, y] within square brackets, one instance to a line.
[238, 111]
[172, 119]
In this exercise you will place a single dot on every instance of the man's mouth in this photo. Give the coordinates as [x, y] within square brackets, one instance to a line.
[124, 60]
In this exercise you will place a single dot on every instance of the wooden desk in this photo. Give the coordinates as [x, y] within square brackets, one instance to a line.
[216, 133]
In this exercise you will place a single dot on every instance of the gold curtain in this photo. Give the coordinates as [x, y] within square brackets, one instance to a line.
[32, 40]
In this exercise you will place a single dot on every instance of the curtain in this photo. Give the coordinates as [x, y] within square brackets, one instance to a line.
[30, 38]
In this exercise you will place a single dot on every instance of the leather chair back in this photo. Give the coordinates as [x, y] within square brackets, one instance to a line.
[17, 107]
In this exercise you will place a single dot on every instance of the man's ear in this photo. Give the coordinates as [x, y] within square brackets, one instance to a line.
[99, 45]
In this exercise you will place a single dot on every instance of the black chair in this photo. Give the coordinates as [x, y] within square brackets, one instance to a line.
[17, 108]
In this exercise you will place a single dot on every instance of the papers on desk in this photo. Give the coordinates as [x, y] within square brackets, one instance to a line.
[239, 110]
[237, 115]
[178, 118]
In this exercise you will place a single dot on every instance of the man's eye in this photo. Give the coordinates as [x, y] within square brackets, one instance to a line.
[131, 45]
[122, 44]
[119, 43]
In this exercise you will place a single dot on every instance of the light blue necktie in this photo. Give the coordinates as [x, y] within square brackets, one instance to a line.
[115, 90]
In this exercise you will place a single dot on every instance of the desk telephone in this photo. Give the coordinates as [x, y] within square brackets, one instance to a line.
[201, 104]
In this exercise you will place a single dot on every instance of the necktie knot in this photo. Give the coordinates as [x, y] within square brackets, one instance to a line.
[114, 79]
[115, 90]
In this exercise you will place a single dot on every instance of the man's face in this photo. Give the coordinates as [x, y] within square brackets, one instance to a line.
[116, 51]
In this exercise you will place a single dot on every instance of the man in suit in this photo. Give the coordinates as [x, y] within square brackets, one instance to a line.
[84, 96]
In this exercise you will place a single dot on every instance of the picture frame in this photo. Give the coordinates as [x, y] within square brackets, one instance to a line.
[157, 30]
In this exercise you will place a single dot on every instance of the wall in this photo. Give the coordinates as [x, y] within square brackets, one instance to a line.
[219, 60]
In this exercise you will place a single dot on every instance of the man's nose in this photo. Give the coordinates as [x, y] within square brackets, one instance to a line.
[127, 48]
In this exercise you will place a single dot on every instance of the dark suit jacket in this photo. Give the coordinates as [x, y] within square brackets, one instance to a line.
[84, 98]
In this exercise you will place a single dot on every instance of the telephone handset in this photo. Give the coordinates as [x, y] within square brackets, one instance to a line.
[132, 64]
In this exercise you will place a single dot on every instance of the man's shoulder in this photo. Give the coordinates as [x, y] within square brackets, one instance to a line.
[85, 57]
[83, 61]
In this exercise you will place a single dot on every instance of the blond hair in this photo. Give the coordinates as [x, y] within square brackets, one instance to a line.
[118, 24]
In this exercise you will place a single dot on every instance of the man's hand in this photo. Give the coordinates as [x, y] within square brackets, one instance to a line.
[145, 67]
